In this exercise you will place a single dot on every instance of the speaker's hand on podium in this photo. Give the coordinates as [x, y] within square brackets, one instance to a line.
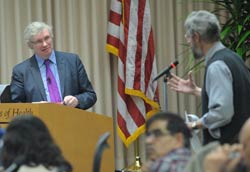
[70, 101]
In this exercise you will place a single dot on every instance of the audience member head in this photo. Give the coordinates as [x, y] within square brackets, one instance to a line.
[165, 132]
[28, 138]
[231, 158]
[223, 158]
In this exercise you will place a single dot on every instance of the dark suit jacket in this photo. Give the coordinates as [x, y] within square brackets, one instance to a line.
[27, 84]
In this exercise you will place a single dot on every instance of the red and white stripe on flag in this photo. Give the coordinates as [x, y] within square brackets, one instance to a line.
[130, 38]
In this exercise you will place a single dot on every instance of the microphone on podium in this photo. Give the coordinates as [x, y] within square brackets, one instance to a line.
[49, 80]
[166, 70]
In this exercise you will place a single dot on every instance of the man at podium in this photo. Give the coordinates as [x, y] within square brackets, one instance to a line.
[50, 75]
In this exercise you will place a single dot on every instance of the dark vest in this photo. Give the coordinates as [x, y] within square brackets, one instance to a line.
[241, 96]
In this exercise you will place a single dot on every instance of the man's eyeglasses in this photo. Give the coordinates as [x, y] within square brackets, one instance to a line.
[157, 133]
[47, 39]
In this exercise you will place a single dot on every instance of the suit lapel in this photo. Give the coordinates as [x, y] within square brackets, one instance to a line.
[61, 70]
[37, 77]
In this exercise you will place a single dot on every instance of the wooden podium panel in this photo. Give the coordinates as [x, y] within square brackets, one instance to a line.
[75, 131]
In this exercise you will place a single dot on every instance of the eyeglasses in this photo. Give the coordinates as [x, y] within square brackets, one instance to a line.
[39, 42]
[157, 133]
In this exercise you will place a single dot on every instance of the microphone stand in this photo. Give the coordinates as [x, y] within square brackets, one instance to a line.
[165, 91]
[166, 72]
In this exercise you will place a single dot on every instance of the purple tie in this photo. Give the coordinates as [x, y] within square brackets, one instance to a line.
[52, 85]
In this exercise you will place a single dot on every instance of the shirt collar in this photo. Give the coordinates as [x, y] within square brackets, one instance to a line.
[40, 60]
[217, 46]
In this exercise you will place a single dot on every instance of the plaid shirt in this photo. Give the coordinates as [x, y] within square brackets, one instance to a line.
[174, 161]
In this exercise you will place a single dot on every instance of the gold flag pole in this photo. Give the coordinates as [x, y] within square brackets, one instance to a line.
[136, 166]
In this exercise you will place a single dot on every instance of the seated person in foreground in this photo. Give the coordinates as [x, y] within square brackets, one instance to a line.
[231, 158]
[167, 143]
[28, 141]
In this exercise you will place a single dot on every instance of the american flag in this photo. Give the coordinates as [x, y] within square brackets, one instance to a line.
[130, 38]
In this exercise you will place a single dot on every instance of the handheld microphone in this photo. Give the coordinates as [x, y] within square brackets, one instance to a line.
[166, 70]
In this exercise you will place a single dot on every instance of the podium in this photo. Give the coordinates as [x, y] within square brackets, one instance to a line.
[76, 131]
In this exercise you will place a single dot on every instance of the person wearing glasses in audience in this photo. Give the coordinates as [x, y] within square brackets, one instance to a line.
[49, 75]
[167, 143]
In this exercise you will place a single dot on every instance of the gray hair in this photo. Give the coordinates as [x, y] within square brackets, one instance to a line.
[205, 23]
[33, 29]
